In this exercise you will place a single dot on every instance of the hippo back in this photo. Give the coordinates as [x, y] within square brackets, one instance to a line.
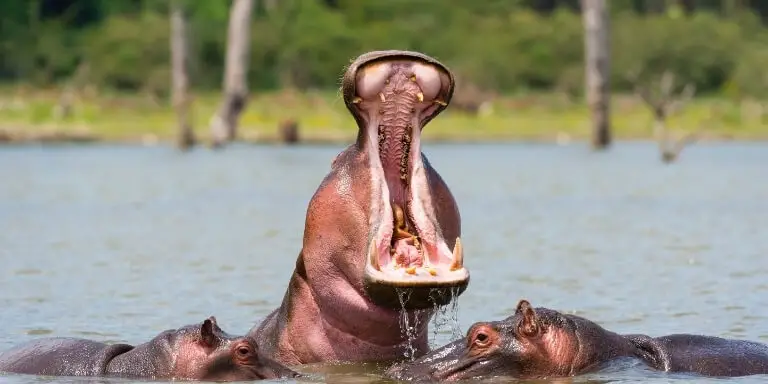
[60, 357]
[705, 355]
[714, 356]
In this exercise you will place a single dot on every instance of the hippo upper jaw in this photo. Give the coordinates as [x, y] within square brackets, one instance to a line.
[392, 95]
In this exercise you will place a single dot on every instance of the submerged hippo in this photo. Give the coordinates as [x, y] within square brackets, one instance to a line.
[544, 343]
[382, 220]
[194, 352]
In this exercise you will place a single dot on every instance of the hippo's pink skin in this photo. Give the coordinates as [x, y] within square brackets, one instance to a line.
[543, 343]
[341, 303]
[194, 352]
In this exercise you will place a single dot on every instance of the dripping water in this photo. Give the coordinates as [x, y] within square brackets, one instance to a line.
[445, 316]
[456, 332]
[408, 330]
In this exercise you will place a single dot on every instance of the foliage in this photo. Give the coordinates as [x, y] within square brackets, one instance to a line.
[501, 46]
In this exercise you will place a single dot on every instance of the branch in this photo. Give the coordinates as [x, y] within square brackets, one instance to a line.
[685, 96]
[666, 86]
[687, 139]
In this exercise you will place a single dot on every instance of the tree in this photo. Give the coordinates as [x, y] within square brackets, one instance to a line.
[180, 75]
[597, 69]
[224, 122]
[663, 105]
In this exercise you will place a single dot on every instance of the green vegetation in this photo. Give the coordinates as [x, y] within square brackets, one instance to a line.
[323, 117]
[525, 55]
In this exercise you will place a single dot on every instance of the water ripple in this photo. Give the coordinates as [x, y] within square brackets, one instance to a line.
[121, 243]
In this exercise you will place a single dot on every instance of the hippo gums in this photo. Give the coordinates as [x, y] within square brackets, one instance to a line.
[543, 343]
[381, 221]
[194, 352]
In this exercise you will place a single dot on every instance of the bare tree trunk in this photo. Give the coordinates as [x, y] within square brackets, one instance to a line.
[185, 137]
[224, 122]
[597, 69]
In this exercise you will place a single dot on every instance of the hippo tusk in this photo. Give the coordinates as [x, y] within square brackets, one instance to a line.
[381, 96]
[374, 255]
[357, 100]
[458, 256]
[443, 103]
[420, 96]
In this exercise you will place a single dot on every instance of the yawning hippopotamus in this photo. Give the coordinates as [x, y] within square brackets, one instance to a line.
[544, 343]
[194, 352]
[382, 220]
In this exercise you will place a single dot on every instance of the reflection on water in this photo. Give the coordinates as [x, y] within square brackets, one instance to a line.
[119, 243]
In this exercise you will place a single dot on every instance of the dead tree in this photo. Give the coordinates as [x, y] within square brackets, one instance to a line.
[63, 109]
[288, 131]
[185, 137]
[224, 122]
[597, 69]
[664, 104]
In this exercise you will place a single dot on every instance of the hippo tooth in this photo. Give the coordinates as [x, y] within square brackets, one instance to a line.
[443, 103]
[420, 96]
[458, 256]
[383, 99]
[357, 100]
[374, 255]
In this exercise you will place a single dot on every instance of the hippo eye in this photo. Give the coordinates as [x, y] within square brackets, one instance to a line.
[482, 339]
[243, 351]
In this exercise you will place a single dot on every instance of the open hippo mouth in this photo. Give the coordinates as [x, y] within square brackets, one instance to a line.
[392, 95]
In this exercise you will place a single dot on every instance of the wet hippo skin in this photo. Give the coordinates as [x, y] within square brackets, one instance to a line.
[382, 222]
[194, 352]
[544, 343]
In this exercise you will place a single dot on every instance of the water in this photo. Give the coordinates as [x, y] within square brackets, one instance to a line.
[119, 243]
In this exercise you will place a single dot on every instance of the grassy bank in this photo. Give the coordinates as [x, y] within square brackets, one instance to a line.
[31, 114]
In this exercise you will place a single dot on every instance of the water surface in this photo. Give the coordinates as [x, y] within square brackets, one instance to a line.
[119, 243]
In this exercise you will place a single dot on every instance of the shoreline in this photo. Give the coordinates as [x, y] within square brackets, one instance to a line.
[9, 138]
[136, 119]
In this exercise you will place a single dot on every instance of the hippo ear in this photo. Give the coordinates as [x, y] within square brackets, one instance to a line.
[207, 336]
[529, 323]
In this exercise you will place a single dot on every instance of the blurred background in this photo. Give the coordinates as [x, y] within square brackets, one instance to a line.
[101, 69]
[102, 241]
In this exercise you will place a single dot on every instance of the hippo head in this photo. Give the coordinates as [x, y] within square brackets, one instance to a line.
[412, 224]
[531, 344]
[205, 352]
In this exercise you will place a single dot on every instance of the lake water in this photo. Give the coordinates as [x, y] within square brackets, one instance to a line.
[117, 243]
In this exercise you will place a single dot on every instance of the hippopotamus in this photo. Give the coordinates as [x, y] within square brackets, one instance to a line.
[544, 343]
[201, 351]
[382, 230]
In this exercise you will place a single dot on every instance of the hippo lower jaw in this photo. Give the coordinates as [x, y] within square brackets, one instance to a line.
[392, 96]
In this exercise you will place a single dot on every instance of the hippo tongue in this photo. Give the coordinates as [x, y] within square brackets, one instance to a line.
[394, 99]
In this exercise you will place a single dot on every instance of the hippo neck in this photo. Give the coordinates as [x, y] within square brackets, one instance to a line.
[362, 332]
[598, 346]
[150, 359]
